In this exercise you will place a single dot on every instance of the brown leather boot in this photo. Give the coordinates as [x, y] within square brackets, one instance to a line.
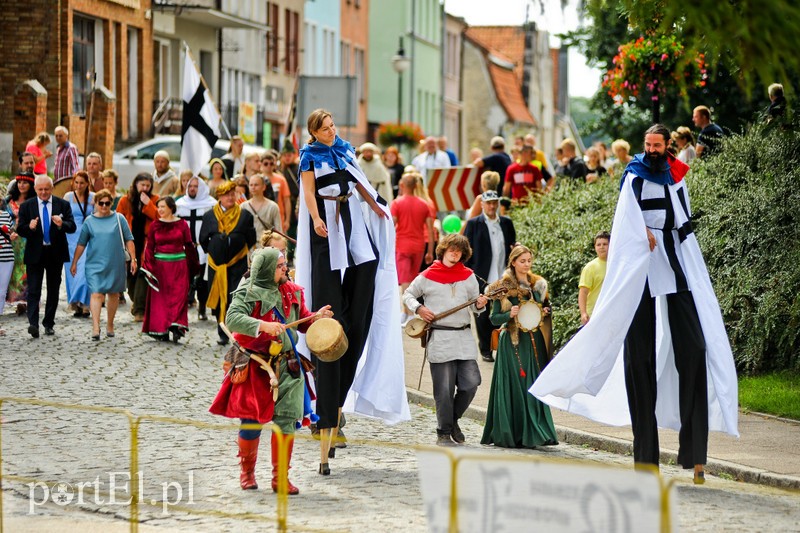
[292, 490]
[248, 451]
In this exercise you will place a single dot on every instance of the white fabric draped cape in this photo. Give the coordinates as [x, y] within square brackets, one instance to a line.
[587, 376]
[378, 389]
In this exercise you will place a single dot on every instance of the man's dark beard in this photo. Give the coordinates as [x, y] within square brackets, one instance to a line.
[656, 161]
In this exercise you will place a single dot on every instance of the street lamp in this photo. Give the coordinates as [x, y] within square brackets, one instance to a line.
[400, 63]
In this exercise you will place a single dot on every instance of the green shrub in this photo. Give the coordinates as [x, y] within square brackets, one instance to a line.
[559, 229]
[746, 203]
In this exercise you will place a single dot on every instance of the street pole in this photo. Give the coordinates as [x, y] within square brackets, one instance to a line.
[400, 62]
[399, 97]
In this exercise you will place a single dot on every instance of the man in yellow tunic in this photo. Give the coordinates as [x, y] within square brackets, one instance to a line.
[227, 234]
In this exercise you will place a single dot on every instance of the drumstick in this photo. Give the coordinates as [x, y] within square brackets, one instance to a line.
[306, 319]
[298, 322]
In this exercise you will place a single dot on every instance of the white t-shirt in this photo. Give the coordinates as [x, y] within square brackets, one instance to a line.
[498, 245]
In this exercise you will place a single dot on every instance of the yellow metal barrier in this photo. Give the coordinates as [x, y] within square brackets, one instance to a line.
[134, 423]
[282, 506]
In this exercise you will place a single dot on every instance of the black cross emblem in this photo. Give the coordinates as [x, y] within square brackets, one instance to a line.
[194, 220]
[193, 118]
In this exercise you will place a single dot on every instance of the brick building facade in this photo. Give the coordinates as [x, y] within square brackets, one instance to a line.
[60, 44]
[354, 60]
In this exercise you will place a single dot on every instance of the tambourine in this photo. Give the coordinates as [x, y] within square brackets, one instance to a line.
[530, 316]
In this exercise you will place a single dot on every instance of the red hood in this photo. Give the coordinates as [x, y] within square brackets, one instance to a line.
[677, 168]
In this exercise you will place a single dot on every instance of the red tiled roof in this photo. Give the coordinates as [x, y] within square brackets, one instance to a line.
[509, 93]
[505, 41]
[505, 44]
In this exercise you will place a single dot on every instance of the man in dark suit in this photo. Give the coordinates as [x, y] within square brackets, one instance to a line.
[491, 236]
[44, 221]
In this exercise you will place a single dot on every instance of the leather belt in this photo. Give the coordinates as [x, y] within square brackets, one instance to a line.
[339, 201]
[450, 328]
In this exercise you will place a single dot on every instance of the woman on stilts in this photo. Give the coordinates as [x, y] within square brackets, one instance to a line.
[341, 257]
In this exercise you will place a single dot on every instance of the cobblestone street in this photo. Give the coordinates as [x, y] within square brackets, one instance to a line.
[371, 487]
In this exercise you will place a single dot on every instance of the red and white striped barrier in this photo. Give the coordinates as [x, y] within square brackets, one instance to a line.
[453, 188]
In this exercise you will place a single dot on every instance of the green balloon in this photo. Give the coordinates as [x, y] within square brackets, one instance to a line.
[451, 224]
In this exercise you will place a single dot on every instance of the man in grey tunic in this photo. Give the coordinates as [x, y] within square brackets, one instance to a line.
[451, 348]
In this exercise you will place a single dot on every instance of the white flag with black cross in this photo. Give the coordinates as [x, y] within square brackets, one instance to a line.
[201, 120]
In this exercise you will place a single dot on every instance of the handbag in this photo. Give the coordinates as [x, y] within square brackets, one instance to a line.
[495, 339]
[122, 238]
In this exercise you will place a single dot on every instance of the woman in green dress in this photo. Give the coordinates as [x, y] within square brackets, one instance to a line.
[515, 418]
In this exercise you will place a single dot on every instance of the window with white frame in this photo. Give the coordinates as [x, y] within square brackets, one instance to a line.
[331, 48]
[161, 68]
[345, 59]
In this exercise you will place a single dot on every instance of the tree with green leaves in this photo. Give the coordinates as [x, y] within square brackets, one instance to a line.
[739, 64]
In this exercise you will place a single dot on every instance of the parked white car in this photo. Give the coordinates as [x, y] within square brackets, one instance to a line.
[139, 157]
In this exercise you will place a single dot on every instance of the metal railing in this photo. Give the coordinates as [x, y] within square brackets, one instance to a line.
[455, 459]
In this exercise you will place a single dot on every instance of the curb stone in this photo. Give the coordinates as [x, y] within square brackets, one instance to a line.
[624, 447]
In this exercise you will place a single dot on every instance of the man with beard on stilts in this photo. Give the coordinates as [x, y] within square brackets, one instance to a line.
[657, 330]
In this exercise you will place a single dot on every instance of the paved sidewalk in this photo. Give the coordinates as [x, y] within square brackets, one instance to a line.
[134, 372]
[767, 451]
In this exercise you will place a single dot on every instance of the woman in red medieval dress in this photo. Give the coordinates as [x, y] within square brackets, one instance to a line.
[169, 262]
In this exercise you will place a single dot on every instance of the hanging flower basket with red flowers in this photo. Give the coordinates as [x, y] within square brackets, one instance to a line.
[407, 133]
[650, 66]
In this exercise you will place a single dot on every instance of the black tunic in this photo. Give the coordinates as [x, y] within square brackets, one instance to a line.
[222, 248]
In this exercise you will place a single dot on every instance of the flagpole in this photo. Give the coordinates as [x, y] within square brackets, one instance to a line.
[203, 81]
[290, 120]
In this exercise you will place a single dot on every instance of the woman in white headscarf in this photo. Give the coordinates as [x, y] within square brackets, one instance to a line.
[191, 208]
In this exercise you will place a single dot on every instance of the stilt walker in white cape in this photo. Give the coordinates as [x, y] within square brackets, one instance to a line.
[345, 256]
[656, 331]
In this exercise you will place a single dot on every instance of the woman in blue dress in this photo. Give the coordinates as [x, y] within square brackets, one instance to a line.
[82, 203]
[109, 235]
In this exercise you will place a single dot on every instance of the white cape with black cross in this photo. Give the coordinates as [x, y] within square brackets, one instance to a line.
[587, 376]
[379, 389]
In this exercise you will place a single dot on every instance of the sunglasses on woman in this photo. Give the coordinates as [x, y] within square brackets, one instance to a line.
[104, 204]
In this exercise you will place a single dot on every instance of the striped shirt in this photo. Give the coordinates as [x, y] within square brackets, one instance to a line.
[6, 252]
[66, 162]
